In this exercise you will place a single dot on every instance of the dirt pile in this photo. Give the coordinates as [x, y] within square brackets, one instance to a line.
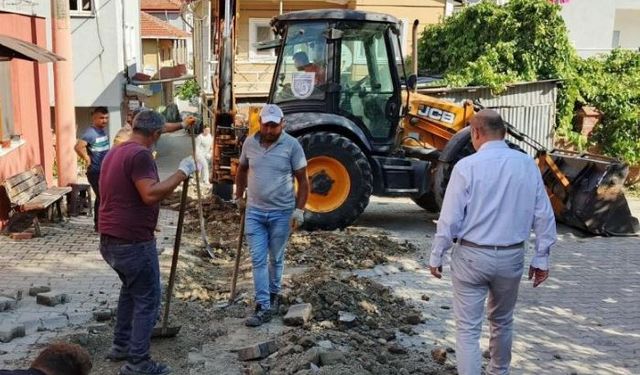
[353, 331]
[346, 250]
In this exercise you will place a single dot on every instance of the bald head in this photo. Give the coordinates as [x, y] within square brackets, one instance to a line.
[486, 125]
[490, 122]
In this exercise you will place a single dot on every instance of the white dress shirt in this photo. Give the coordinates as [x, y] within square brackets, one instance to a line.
[494, 198]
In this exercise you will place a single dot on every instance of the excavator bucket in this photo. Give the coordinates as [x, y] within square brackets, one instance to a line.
[586, 192]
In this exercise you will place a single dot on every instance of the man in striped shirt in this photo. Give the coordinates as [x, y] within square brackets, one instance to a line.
[92, 148]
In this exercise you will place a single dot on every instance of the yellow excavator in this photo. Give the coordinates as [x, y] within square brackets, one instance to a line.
[339, 79]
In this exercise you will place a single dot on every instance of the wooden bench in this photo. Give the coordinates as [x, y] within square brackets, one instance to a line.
[28, 193]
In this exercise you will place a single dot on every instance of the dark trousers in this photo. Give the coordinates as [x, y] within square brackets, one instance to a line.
[138, 268]
[94, 178]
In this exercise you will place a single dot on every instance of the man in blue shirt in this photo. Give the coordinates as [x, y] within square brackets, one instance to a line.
[268, 164]
[494, 199]
[92, 147]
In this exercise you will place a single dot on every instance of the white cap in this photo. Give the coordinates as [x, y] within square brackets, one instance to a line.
[271, 113]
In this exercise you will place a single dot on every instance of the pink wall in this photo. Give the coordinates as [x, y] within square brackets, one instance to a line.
[30, 96]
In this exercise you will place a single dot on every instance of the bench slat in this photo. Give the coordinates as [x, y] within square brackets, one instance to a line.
[26, 195]
[40, 202]
[34, 186]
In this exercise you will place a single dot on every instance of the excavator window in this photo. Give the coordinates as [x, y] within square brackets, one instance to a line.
[366, 83]
[303, 67]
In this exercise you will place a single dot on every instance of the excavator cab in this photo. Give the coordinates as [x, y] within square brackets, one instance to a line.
[336, 62]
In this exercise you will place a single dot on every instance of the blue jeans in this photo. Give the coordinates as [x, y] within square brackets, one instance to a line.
[139, 270]
[94, 179]
[267, 233]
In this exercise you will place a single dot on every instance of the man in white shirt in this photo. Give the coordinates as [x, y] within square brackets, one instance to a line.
[204, 147]
[493, 200]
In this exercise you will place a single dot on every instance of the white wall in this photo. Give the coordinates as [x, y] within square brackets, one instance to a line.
[590, 24]
[627, 22]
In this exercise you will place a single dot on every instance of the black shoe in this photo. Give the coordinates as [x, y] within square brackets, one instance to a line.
[276, 302]
[147, 367]
[260, 316]
[117, 354]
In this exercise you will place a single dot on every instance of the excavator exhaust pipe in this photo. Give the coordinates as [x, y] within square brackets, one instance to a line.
[586, 192]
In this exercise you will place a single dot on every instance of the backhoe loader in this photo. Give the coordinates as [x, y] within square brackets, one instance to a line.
[340, 81]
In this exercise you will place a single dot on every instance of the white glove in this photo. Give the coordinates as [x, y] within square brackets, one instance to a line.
[297, 218]
[188, 166]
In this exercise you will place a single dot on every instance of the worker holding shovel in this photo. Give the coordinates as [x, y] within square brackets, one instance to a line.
[131, 194]
[269, 162]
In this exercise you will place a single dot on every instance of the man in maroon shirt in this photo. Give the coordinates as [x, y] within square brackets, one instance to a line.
[131, 192]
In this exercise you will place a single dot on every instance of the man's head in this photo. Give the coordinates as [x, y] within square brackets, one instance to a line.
[486, 125]
[63, 359]
[206, 130]
[148, 124]
[100, 117]
[300, 59]
[270, 122]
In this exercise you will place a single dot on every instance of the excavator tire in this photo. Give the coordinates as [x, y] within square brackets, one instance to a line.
[340, 181]
[442, 173]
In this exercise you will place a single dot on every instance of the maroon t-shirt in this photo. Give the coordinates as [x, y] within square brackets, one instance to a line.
[123, 214]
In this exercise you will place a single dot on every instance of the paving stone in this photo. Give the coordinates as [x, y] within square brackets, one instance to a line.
[298, 315]
[102, 315]
[35, 290]
[258, 351]
[9, 331]
[52, 298]
[53, 322]
[7, 303]
[79, 318]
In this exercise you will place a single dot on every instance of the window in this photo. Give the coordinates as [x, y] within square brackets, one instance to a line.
[6, 106]
[260, 31]
[81, 7]
[615, 43]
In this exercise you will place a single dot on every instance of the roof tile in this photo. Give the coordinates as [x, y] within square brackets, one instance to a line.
[152, 27]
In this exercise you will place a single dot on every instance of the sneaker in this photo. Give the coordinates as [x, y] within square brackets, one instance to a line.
[147, 367]
[276, 302]
[117, 354]
[259, 317]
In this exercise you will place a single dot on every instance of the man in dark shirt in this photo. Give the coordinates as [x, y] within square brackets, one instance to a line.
[131, 194]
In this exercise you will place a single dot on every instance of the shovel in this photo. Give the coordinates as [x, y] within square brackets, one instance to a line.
[236, 267]
[165, 330]
[203, 231]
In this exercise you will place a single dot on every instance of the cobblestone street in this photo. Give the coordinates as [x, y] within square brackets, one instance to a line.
[585, 319]
[66, 259]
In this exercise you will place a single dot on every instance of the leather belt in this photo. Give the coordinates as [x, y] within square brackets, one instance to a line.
[111, 240]
[518, 245]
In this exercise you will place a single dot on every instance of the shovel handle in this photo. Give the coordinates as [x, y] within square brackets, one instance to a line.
[236, 267]
[176, 252]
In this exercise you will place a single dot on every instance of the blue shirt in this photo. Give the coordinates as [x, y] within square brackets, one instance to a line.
[495, 197]
[270, 182]
[97, 147]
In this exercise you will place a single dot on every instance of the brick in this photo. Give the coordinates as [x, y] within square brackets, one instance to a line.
[7, 303]
[298, 315]
[35, 290]
[52, 298]
[439, 355]
[258, 351]
[9, 331]
[21, 236]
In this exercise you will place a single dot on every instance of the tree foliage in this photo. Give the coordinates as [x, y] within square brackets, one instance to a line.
[526, 40]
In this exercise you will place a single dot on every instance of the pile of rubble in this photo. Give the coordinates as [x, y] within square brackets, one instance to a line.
[349, 328]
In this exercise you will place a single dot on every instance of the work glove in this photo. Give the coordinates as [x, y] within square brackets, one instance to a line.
[297, 218]
[189, 121]
[188, 166]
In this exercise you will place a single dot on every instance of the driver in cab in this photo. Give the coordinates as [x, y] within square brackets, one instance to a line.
[301, 61]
